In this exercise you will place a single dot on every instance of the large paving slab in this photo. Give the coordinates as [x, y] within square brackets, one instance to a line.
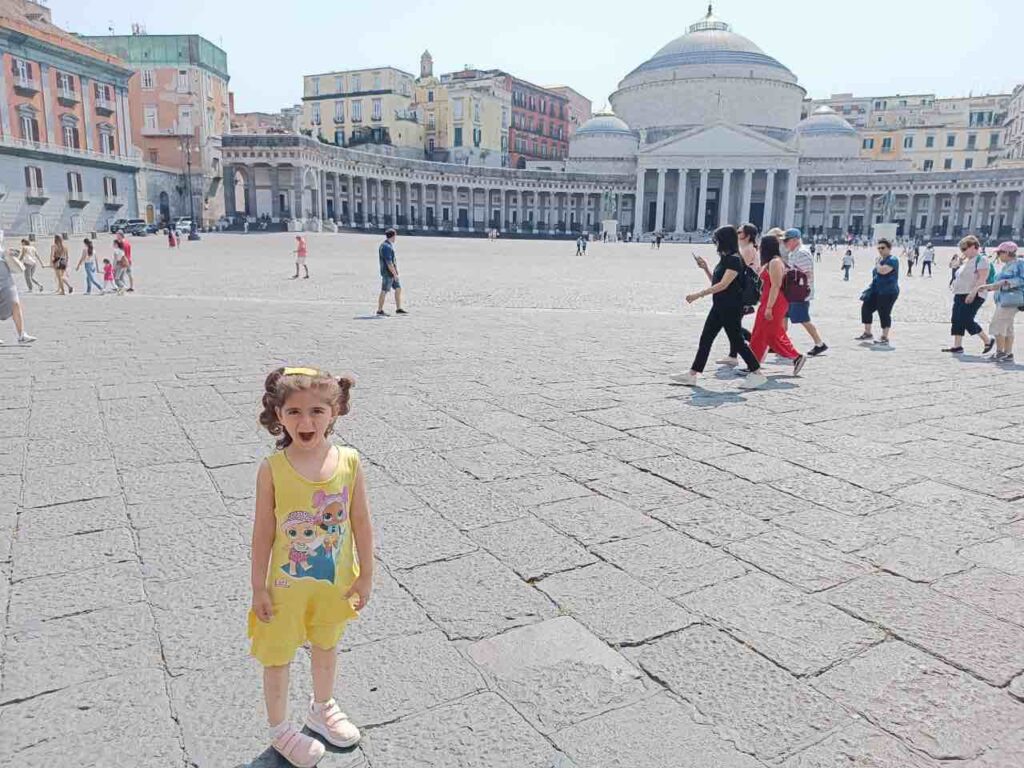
[578, 563]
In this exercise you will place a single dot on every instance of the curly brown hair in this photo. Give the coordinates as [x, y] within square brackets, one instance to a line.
[279, 387]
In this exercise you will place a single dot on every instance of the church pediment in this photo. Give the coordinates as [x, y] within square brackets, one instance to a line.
[718, 141]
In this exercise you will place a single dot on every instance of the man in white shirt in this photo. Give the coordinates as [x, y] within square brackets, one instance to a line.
[800, 311]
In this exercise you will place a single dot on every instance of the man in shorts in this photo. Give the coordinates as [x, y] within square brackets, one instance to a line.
[300, 257]
[800, 311]
[127, 248]
[10, 304]
[389, 274]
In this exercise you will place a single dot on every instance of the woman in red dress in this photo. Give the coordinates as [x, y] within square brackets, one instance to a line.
[769, 323]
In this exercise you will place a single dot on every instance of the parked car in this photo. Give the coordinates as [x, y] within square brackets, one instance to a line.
[135, 228]
[182, 225]
[154, 227]
[118, 224]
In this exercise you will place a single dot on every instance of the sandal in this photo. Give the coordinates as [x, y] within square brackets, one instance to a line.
[954, 350]
[297, 748]
[988, 347]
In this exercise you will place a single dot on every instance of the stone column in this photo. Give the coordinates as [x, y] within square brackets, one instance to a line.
[638, 203]
[951, 222]
[1018, 216]
[846, 213]
[322, 195]
[702, 200]
[275, 192]
[791, 194]
[748, 190]
[297, 208]
[933, 213]
[229, 189]
[351, 200]
[681, 201]
[825, 216]
[536, 211]
[995, 215]
[659, 209]
[975, 211]
[723, 204]
[408, 207]
[769, 199]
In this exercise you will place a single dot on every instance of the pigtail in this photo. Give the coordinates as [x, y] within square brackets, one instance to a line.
[345, 384]
[271, 402]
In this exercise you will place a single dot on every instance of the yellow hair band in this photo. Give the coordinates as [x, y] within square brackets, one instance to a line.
[301, 372]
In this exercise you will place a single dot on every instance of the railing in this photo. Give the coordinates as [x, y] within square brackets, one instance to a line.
[25, 83]
[103, 104]
[113, 201]
[174, 130]
[70, 152]
[35, 192]
[67, 94]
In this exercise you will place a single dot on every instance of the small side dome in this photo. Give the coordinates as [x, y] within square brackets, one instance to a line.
[825, 121]
[604, 122]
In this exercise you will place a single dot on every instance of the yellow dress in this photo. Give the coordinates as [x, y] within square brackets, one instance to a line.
[313, 561]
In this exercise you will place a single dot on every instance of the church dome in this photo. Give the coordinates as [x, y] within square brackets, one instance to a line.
[710, 74]
[825, 121]
[604, 123]
[824, 134]
[711, 42]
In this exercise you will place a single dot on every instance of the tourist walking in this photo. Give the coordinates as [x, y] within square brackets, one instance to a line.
[311, 569]
[847, 264]
[30, 260]
[300, 256]
[389, 274]
[10, 304]
[126, 247]
[747, 237]
[172, 238]
[59, 262]
[120, 265]
[91, 262]
[800, 311]
[972, 273]
[911, 260]
[881, 294]
[928, 259]
[109, 286]
[725, 314]
[1008, 288]
[657, 239]
[769, 322]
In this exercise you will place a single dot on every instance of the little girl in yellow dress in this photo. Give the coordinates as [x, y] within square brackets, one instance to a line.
[312, 524]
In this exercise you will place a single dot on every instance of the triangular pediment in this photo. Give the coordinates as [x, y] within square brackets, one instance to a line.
[719, 140]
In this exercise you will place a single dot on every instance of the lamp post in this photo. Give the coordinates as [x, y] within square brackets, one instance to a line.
[186, 148]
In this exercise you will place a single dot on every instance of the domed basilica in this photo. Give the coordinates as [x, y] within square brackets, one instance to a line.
[705, 132]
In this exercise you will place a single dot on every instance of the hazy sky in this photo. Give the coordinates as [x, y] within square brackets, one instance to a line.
[868, 47]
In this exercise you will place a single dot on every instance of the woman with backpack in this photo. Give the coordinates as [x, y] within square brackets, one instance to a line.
[726, 312]
[971, 275]
[770, 321]
[59, 262]
[1009, 297]
[747, 236]
[881, 295]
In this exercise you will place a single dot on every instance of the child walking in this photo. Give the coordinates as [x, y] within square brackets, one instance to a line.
[300, 256]
[108, 277]
[312, 554]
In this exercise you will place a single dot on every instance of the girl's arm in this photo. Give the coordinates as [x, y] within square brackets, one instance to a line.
[263, 527]
[362, 532]
[777, 272]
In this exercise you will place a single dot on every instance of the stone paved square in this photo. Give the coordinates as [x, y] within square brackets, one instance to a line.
[578, 563]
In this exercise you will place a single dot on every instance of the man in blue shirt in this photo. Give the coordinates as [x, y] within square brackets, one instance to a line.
[389, 274]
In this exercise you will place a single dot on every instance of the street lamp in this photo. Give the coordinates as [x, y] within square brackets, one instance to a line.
[186, 148]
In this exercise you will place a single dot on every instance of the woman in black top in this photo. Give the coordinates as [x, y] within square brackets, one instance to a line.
[726, 312]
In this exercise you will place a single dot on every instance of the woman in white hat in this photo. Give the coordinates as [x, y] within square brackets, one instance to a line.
[1008, 287]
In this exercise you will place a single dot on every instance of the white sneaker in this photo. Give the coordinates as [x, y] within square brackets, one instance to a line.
[26, 339]
[754, 380]
[686, 379]
[732, 362]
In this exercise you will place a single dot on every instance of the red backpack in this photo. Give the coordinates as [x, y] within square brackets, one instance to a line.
[795, 285]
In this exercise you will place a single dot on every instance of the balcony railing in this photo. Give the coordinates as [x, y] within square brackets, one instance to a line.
[36, 194]
[133, 159]
[176, 129]
[67, 96]
[104, 105]
[77, 199]
[113, 201]
[26, 84]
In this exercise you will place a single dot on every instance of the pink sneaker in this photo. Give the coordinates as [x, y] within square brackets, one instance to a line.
[297, 748]
[330, 722]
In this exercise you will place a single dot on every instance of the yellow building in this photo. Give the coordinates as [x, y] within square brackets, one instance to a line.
[934, 134]
[465, 115]
[365, 108]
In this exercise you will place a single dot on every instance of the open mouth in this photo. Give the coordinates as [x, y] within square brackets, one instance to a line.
[307, 437]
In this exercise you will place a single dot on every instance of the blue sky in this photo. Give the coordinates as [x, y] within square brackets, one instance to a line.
[868, 47]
